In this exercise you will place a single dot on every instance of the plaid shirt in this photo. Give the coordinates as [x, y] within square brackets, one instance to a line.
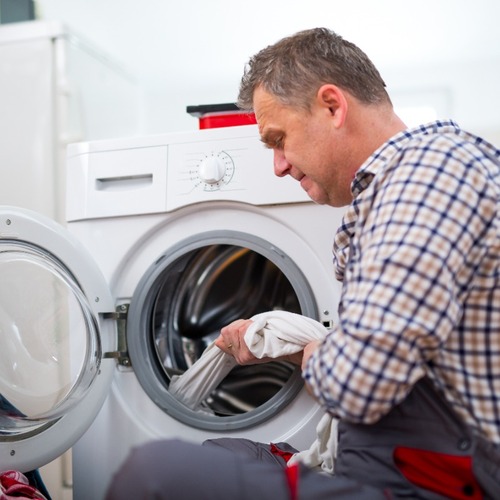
[419, 256]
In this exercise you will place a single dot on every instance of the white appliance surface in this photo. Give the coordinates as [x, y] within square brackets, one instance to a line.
[179, 234]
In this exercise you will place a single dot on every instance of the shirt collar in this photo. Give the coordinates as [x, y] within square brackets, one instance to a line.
[366, 173]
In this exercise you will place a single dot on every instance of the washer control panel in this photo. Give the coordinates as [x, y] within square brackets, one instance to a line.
[237, 168]
[154, 174]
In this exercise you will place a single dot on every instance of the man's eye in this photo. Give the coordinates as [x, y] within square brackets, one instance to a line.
[278, 143]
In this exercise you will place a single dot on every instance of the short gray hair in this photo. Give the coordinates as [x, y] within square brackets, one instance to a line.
[295, 68]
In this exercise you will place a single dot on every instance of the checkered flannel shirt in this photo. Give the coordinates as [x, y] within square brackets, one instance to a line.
[419, 256]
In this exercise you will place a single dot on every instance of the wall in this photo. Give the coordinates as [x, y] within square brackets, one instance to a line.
[193, 51]
[466, 92]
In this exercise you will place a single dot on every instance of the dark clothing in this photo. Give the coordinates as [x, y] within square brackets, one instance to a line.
[420, 450]
[176, 469]
[382, 453]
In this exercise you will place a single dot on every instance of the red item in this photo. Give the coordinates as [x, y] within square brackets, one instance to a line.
[448, 475]
[221, 115]
[227, 120]
[292, 478]
[15, 485]
[292, 471]
[286, 455]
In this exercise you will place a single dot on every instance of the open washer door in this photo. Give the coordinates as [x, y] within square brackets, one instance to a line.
[52, 338]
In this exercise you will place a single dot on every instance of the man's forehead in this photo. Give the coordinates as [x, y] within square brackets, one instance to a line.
[263, 102]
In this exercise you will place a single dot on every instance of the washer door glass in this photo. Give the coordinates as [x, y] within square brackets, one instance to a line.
[50, 350]
[185, 299]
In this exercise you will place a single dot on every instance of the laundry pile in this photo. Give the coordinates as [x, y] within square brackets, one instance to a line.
[272, 334]
[15, 486]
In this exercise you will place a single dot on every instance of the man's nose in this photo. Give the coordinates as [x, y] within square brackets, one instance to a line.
[281, 165]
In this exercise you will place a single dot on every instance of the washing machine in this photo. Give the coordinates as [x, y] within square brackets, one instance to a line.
[169, 238]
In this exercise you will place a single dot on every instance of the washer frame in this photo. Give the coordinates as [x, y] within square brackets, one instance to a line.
[127, 238]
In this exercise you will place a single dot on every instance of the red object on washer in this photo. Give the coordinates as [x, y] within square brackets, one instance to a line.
[229, 120]
[221, 115]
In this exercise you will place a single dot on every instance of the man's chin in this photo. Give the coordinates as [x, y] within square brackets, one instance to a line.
[316, 195]
[319, 200]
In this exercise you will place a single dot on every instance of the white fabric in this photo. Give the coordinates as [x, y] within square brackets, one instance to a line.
[323, 451]
[272, 334]
[279, 333]
[198, 381]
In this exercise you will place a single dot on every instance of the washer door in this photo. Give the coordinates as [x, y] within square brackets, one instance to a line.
[52, 381]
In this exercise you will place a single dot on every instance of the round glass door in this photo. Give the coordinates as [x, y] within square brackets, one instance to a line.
[50, 350]
[183, 301]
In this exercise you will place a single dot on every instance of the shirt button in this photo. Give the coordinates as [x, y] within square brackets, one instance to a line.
[463, 444]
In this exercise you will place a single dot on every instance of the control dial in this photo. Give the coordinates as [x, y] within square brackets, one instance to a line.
[215, 170]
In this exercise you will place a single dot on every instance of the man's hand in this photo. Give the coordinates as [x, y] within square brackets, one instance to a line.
[231, 341]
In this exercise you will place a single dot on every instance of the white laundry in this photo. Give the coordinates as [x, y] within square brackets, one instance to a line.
[279, 333]
[323, 451]
[272, 334]
[198, 381]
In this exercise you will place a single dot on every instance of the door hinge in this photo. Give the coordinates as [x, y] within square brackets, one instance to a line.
[121, 353]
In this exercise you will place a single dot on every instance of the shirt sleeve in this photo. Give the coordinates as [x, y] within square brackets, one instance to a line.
[419, 237]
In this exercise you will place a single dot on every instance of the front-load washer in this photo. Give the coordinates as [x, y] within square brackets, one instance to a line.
[169, 238]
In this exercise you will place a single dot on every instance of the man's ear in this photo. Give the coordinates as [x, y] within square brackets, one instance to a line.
[333, 100]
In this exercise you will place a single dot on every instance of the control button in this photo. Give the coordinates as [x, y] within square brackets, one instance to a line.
[211, 170]
[214, 171]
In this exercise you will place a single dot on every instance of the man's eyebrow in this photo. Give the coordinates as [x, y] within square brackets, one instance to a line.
[267, 136]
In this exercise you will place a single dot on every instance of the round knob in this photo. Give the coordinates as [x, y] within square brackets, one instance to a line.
[211, 170]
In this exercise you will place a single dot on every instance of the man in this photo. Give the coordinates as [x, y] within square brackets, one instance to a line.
[413, 368]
